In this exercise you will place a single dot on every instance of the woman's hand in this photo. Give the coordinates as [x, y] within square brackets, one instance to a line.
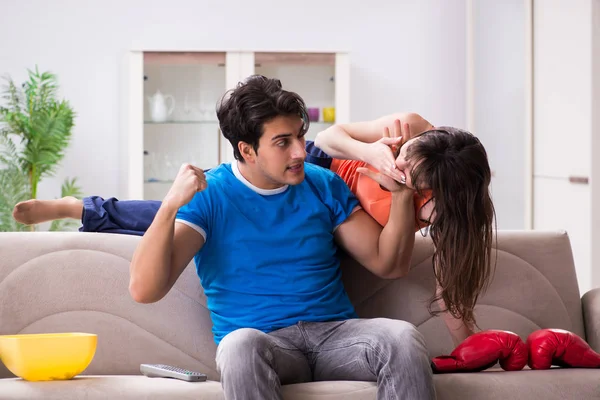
[389, 177]
[380, 154]
[386, 183]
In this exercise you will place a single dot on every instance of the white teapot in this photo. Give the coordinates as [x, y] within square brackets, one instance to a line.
[158, 106]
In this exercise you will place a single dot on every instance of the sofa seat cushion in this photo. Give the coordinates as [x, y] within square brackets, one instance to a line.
[552, 384]
[139, 387]
[110, 387]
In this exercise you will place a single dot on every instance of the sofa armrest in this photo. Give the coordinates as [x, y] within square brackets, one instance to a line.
[591, 317]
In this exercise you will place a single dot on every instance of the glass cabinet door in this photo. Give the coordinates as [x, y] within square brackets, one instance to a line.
[180, 93]
[168, 107]
[311, 75]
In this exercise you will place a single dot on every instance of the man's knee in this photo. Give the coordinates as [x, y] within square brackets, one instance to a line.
[240, 346]
[402, 337]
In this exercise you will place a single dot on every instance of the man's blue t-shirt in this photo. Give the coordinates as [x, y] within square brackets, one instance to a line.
[269, 258]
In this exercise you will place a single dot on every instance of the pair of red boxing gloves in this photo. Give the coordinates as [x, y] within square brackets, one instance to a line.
[544, 348]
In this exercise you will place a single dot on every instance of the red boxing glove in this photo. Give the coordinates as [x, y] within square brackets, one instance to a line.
[482, 350]
[559, 347]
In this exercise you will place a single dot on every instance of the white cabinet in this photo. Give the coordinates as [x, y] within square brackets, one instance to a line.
[559, 204]
[566, 89]
[562, 56]
[169, 117]
[533, 84]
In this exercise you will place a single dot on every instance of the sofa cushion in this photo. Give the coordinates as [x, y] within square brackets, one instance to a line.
[121, 387]
[553, 384]
[139, 387]
[534, 287]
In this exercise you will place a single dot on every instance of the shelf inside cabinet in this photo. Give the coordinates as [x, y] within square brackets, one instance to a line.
[184, 58]
[158, 181]
[182, 122]
[279, 59]
[320, 124]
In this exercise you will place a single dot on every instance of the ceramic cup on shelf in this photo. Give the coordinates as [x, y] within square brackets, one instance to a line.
[159, 112]
[313, 114]
[329, 114]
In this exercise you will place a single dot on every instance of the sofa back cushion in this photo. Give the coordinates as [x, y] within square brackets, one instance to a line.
[534, 286]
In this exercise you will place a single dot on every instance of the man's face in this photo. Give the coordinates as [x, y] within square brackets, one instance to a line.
[281, 152]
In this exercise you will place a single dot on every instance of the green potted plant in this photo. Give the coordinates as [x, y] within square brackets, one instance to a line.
[35, 130]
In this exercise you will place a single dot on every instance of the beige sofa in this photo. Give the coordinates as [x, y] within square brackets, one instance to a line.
[57, 282]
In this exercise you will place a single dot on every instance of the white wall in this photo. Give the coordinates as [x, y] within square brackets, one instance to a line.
[566, 60]
[406, 55]
[499, 101]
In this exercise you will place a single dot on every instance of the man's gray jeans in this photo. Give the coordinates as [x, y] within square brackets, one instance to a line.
[254, 364]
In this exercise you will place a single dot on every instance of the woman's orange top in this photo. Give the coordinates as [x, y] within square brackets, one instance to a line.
[375, 201]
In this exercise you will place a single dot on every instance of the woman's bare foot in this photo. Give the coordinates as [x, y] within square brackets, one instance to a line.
[32, 212]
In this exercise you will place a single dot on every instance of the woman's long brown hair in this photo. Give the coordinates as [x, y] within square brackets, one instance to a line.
[454, 165]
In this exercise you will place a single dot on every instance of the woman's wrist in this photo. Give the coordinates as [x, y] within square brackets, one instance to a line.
[363, 151]
[402, 194]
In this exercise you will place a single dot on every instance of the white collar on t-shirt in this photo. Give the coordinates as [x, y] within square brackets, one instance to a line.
[264, 192]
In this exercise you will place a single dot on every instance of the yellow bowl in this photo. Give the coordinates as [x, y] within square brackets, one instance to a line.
[48, 356]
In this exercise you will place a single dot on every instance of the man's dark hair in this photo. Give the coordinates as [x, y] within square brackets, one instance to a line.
[243, 111]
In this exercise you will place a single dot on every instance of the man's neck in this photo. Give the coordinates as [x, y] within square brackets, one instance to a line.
[255, 180]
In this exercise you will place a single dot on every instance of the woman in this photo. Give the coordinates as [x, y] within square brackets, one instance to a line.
[449, 171]
[446, 167]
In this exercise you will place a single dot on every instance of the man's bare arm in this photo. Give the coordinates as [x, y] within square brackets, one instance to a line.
[166, 248]
[161, 256]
